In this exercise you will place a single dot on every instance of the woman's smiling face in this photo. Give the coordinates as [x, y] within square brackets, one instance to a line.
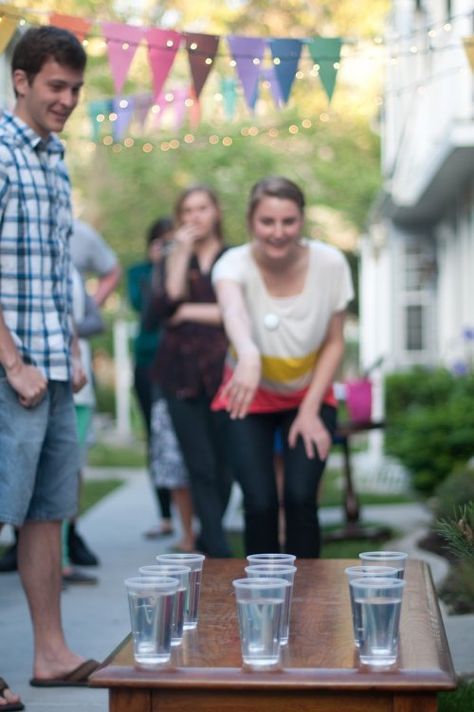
[276, 226]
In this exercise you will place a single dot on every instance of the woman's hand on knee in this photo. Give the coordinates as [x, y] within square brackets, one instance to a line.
[315, 436]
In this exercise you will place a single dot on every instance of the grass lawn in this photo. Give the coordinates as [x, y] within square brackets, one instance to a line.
[104, 455]
[92, 491]
[461, 700]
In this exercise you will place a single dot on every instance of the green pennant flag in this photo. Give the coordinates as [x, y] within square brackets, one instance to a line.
[326, 51]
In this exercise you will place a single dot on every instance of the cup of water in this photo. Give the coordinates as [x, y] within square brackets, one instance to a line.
[151, 602]
[396, 559]
[279, 571]
[271, 559]
[195, 563]
[260, 604]
[380, 601]
[182, 574]
[353, 572]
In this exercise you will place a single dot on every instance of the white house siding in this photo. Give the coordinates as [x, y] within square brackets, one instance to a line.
[417, 261]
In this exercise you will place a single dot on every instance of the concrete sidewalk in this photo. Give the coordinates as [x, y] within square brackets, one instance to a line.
[96, 617]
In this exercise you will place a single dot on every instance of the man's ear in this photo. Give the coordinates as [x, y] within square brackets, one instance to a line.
[20, 82]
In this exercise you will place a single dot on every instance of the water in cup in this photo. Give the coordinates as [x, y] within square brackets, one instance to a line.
[280, 571]
[259, 622]
[260, 604]
[380, 605]
[151, 603]
[182, 574]
[353, 572]
[195, 563]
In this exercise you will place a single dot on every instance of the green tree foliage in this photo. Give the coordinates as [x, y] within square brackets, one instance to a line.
[430, 416]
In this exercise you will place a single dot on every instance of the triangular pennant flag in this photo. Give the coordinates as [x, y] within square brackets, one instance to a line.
[286, 55]
[94, 109]
[469, 49]
[179, 106]
[326, 51]
[268, 74]
[195, 110]
[8, 24]
[77, 25]
[143, 104]
[229, 93]
[247, 53]
[201, 52]
[124, 107]
[162, 48]
[122, 42]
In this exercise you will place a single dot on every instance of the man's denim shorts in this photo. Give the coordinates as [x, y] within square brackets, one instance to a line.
[39, 456]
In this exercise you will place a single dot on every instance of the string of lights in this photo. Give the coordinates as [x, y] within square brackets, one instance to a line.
[350, 44]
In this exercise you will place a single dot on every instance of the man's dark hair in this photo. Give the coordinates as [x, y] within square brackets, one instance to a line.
[41, 44]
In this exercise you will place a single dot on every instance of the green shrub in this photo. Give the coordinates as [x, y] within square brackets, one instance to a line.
[454, 493]
[430, 423]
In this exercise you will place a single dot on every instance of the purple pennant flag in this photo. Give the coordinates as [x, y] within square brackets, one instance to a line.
[143, 104]
[244, 51]
[286, 55]
[124, 116]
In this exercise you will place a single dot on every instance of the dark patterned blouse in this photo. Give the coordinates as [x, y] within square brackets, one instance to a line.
[191, 356]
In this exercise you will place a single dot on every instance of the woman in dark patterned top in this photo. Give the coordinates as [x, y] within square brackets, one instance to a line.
[191, 358]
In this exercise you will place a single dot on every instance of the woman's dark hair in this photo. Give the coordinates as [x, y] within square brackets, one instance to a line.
[211, 194]
[38, 45]
[274, 187]
[158, 229]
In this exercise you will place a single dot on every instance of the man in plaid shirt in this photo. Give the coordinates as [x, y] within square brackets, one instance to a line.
[39, 359]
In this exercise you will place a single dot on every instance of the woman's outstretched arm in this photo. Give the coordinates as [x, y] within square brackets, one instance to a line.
[240, 389]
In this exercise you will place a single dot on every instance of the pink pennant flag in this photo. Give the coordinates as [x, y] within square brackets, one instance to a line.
[162, 48]
[122, 42]
[179, 106]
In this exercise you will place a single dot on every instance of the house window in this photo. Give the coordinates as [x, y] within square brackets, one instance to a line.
[417, 288]
[414, 328]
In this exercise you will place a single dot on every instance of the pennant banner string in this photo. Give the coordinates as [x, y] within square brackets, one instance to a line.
[8, 11]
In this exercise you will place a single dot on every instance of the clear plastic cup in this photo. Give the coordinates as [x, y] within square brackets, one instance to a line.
[151, 602]
[380, 601]
[195, 563]
[283, 571]
[271, 559]
[353, 572]
[260, 603]
[182, 574]
[396, 559]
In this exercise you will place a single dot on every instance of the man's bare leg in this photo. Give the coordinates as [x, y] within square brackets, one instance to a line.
[39, 564]
[8, 695]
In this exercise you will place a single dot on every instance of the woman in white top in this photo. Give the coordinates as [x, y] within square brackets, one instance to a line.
[283, 300]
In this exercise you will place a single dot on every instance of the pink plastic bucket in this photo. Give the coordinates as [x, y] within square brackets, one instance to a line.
[359, 400]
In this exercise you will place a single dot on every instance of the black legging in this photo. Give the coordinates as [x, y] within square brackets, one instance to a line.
[144, 390]
[251, 441]
[201, 437]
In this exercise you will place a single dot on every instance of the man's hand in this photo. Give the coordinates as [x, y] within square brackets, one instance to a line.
[28, 382]
[79, 377]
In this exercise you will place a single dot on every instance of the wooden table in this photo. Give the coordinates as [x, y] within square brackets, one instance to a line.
[320, 669]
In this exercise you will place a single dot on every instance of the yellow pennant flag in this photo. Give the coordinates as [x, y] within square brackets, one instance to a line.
[469, 49]
[9, 19]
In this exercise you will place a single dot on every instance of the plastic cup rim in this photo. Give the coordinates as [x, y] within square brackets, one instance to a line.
[251, 558]
[278, 568]
[374, 572]
[260, 582]
[165, 583]
[378, 582]
[376, 555]
[176, 568]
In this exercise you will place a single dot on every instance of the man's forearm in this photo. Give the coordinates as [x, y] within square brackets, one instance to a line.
[9, 355]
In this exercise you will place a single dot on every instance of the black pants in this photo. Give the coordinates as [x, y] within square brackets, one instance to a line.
[144, 390]
[201, 436]
[251, 443]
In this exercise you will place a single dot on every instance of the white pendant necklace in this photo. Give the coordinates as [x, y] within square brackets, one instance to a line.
[271, 321]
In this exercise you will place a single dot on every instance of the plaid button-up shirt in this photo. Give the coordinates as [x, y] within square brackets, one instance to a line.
[35, 227]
